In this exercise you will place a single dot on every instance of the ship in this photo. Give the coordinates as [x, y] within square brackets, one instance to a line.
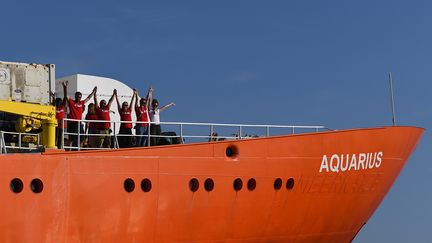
[310, 185]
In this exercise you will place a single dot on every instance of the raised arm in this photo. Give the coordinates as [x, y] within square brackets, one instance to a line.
[118, 103]
[112, 98]
[132, 100]
[65, 98]
[93, 93]
[65, 84]
[136, 100]
[149, 97]
[95, 100]
[166, 106]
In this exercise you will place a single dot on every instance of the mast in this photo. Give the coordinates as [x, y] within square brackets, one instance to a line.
[392, 99]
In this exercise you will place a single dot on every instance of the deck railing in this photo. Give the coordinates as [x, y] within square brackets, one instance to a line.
[184, 132]
[19, 145]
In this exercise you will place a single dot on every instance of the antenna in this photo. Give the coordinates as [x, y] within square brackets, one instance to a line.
[392, 99]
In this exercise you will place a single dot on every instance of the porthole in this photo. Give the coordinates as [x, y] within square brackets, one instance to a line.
[209, 184]
[238, 184]
[194, 185]
[231, 151]
[251, 184]
[146, 185]
[36, 185]
[16, 185]
[129, 185]
[277, 184]
[290, 184]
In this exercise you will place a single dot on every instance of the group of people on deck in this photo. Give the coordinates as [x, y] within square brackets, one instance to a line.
[99, 131]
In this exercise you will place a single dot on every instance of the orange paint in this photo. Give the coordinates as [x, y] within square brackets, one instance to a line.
[83, 198]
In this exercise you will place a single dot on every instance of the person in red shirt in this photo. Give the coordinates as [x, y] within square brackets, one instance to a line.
[76, 108]
[141, 111]
[125, 111]
[103, 113]
[60, 105]
[91, 127]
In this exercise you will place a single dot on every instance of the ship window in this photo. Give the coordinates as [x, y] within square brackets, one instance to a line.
[16, 185]
[251, 185]
[231, 151]
[146, 185]
[277, 184]
[36, 185]
[290, 183]
[238, 184]
[129, 185]
[209, 184]
[194, 185]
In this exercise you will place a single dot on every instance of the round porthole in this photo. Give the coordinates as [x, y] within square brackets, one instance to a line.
[290, 184]
[36, 185]
[16, 185]
[129, 185]
[209, 184]
[251, 184]
[231, 151]
[238, 184]
[277, 184]
[146, 185]
[194, 185]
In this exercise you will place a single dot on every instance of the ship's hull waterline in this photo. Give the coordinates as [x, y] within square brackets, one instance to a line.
[315, 187]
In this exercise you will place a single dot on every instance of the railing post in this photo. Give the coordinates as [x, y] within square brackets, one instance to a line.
[148, 134]
[4, 143]
[181, 132]
[19, 140]
[115, 136]
[1, 142]
[268, 131]
[240, 132]
[62, 135]
[293, 130]
[79, 135]
[65, 131]
[211, 132]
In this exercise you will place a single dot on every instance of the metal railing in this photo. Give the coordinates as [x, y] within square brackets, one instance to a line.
[212, 132]
[4, 146]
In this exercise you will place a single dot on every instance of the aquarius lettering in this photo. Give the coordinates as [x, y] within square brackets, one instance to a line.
[349, 162]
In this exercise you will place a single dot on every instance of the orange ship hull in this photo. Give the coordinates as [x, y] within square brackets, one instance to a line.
[325, 195]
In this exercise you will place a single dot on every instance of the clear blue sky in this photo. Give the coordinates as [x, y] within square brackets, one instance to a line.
[277, 62]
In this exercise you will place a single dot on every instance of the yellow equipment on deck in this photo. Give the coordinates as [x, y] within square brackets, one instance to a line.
[34, 113]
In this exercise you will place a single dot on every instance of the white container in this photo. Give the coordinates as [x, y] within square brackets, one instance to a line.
[30, 83]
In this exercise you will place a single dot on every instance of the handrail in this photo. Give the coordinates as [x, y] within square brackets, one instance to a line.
[205, 124]
[4, 146]
[179, 133]
[212, 136]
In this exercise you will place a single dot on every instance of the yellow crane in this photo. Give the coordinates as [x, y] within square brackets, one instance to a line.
[34, 112]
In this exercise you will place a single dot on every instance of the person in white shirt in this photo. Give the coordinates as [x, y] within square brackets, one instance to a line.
[155, 129]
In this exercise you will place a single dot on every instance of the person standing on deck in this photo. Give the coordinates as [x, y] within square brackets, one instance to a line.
[103, 113]
[141, 111]
[155, 129]
[125, 111]
[76, 108]
[60, 105]
[91, 127]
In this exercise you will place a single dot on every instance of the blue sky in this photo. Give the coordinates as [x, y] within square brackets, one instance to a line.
[274, 62]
